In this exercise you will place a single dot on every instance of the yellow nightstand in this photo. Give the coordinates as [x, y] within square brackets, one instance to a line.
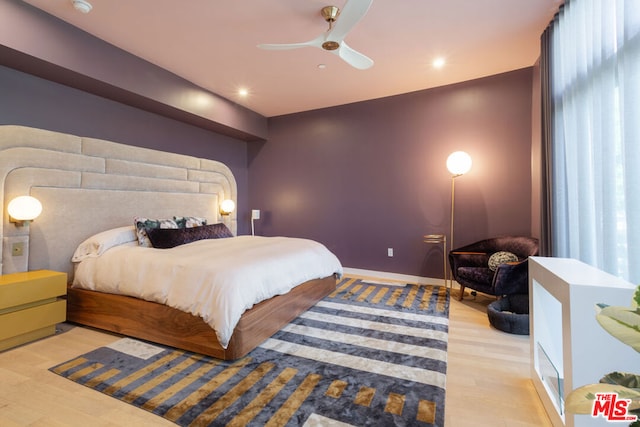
[30, 306]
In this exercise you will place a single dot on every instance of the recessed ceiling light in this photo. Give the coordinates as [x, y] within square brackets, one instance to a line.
[438, 62]
[82, 6]
[243, 92]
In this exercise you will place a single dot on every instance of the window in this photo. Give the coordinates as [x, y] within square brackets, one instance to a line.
[594, 69]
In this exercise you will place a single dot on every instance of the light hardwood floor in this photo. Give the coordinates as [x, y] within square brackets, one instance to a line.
[487, 379]
[488, 372]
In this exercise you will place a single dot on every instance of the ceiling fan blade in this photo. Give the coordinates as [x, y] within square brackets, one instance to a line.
[317, 42]
[353, 57]
[350, 15]
[284, 46]
[333, 40]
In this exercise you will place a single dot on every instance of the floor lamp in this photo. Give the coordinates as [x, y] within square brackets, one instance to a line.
[458, 163]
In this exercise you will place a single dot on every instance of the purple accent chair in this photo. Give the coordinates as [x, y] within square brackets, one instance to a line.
[470, 266]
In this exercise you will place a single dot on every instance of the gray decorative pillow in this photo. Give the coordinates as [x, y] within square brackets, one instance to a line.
[501, 257]
[165, 238]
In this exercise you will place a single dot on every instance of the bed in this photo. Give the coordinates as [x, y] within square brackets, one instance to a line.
[79, 182]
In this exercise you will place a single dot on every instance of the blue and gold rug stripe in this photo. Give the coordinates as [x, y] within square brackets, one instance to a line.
[394, 402]
[369, 354]
[363, 364]
[406, 318]
[374, 343]
[426, 298]
[186, 404]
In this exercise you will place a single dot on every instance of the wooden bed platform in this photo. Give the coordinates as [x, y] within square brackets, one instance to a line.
[99, 186]
[165, 325]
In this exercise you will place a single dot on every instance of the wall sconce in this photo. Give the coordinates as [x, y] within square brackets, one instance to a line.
[458, 163]
[24, 209]
[227, 206]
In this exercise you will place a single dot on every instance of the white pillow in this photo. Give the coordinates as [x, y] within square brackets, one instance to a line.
[97, 244]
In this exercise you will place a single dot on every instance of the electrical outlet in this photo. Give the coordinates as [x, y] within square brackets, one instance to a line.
[17, 249]
[390, 252]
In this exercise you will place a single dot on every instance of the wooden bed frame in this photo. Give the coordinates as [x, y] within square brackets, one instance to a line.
[165, 325]
[79, 180]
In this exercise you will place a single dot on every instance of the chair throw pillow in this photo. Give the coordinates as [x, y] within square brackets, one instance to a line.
[501, 257]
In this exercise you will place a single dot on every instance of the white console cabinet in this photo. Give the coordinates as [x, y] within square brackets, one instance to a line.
[569, 348]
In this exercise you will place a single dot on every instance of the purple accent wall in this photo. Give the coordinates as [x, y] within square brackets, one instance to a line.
[40, 44]
[31, 101]
[360, 178]
[369, 176]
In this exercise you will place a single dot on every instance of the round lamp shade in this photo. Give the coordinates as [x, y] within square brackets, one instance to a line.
[24, 208]
[459, 163]
[227, 206]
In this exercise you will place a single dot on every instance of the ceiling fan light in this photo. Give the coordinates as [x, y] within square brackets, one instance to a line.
[329, 45]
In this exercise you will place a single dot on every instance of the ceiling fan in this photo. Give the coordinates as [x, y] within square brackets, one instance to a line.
[333, 39]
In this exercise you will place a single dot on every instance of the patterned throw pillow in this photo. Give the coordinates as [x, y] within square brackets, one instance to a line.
[142, 224]
[189, 221]
[169, 238]
[501, 257]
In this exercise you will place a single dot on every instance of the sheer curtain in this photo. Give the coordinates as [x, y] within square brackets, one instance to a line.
[594, 73]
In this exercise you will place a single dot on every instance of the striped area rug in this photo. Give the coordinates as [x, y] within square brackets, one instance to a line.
[369, 354]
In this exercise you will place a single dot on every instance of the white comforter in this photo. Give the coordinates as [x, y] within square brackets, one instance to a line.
[216, 279]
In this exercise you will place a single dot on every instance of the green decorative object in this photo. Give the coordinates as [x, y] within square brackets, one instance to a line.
[622, 323]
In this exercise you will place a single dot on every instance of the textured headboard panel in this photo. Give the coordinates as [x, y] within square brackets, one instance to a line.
[88, 185]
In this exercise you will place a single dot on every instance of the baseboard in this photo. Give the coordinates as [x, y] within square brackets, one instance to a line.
[395, 276]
